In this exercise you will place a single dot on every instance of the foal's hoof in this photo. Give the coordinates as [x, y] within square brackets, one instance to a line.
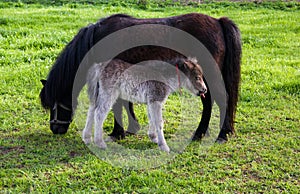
[221, 140]
[110, 139]
[207, 133]
[153, 138]
[164, 148]
[87, 141]
[101, 145]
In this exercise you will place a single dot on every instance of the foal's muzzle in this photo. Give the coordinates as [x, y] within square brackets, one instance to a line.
[202, 92]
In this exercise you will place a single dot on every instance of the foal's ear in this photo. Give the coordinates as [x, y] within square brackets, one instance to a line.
[43, 82]
[181, 64]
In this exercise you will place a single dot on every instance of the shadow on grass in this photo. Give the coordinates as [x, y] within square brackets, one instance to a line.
[37, 149]
[292, 88]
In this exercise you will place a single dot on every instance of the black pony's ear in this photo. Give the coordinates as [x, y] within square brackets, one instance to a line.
[43, 82]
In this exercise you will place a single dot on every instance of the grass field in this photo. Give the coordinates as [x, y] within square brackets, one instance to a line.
[263, 157]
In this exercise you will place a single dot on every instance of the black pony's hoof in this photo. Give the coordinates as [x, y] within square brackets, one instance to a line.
[197, 138]
[128, 133]
[115, 137]
[221, 140]
[133, 129]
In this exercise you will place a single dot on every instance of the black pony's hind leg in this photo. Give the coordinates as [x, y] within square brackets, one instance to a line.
[133, 126]
[206, 114]
[118, 131]
[226, 128]
[225, 122]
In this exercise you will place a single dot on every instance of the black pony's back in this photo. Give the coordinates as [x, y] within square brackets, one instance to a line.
[61, 77]
[219, 36]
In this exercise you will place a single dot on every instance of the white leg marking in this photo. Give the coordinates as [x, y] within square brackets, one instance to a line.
[101, 113]
[87, 131]
[155, 111]
[151, 132]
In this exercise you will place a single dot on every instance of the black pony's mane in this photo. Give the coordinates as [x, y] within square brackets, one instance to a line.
[61, 77]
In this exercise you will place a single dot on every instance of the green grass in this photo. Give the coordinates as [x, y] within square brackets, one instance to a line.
[262, 157]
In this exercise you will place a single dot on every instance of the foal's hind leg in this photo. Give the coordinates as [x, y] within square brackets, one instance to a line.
[101, 113]
[155, 111]
[87, 131]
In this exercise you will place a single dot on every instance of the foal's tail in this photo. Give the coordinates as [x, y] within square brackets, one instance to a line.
[231, 70]
[92, 83]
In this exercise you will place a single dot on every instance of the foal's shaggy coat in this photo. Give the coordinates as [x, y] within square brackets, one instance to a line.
[150, 83]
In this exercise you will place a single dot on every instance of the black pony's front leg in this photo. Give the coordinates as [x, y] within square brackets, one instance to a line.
[118, 131]
[206, 114]
[133, 126]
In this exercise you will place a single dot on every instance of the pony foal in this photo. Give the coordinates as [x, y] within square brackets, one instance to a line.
[150, 83]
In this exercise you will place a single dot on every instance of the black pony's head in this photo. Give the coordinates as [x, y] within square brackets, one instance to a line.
[56, 94]
[61, 113]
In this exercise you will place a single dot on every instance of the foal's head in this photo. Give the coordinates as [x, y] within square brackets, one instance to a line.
[193, 72]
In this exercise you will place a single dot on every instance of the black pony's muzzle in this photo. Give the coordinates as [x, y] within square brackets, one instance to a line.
[59, 129]
[60, 124]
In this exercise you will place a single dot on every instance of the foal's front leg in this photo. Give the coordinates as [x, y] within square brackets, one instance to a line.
[152, 130]
[155, 112]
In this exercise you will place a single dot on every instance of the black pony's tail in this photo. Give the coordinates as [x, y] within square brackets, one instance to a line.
[231, 70]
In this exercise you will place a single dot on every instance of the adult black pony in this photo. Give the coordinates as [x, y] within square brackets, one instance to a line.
[221, 37]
